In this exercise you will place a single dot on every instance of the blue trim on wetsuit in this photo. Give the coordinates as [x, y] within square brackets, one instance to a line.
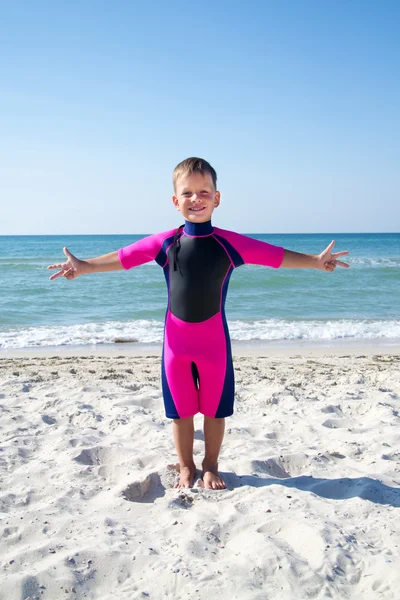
[161, 257]
[170, 408]
[198, 228]
[230, 250]
[225, 407]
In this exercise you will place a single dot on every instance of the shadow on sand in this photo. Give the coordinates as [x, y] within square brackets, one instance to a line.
[335, 489]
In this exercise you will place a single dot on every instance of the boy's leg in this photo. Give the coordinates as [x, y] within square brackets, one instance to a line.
[184, 437]
[213, 435]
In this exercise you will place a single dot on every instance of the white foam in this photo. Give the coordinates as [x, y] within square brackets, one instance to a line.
[151, 331]
[275, 329]
[82, 334]
[373, 262]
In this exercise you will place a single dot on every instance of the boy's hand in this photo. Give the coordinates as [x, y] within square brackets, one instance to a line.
[71, 269]
[327, 261]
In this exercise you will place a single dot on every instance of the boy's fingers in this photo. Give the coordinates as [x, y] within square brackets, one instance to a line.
[67, 252]
[330, 266]
[67, 273]
[343, 253]
[56, 275]
[329, 248]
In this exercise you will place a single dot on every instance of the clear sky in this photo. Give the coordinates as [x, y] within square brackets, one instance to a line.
[295, 104]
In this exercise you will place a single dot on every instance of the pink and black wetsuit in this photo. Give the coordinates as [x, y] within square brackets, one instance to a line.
[197, 370]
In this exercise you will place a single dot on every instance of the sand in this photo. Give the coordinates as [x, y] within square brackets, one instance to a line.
[311, 460]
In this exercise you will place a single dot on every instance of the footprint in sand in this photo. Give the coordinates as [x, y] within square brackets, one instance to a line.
[48, 420]
[136, 490]
[281, 467]
[31, 588]
[7, 502]
[145, 489]
[333, 408]
[133, 387]
[116, 464]
[99, 455]
[337, 423]
[395, 456]
[107, 457]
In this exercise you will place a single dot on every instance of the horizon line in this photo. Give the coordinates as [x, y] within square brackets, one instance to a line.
[244, 233]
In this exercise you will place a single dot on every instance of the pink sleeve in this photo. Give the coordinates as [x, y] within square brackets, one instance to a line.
[144, 250]
[254, 252]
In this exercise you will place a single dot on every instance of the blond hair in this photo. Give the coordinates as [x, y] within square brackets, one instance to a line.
[193, 165]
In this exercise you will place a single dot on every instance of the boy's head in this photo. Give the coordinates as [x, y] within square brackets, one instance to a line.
[195, 189]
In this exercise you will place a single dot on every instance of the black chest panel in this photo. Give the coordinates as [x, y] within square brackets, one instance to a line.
[195, 286]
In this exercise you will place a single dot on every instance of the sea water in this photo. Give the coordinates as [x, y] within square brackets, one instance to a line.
[264, 305]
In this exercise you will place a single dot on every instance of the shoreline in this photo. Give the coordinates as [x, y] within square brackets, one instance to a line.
[255, 349]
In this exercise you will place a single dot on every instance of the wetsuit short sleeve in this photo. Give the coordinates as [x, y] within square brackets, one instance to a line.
[145, 250]
[245, 250]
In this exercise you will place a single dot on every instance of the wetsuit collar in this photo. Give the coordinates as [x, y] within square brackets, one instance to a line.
[198, 229]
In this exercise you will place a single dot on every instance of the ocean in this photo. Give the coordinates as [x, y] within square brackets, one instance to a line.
[264, 306]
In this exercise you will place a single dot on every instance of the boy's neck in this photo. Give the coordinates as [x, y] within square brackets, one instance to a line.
[198, 229]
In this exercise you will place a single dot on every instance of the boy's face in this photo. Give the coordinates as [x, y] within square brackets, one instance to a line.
[195, 197]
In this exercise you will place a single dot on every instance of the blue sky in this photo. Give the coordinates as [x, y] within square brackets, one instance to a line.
[294, 103]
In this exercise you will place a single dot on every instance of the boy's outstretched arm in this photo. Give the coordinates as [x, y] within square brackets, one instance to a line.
[73, 267]
[326, 261]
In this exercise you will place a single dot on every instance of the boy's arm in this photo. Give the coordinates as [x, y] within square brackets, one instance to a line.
[245, 250]
[326, 261]
[73, 267]
[138, 253]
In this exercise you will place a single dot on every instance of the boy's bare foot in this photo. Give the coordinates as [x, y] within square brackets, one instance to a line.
[186, 476]
[212, 480]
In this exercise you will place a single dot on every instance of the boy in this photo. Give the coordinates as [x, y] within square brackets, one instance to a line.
[197, 259]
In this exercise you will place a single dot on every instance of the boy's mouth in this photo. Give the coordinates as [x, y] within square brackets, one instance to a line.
[198, 209]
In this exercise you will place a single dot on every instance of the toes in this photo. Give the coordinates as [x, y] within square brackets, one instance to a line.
[216, 484]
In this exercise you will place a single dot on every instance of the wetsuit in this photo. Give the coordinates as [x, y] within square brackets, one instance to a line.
[198, 260]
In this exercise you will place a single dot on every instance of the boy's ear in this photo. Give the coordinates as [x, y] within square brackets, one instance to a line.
[217, 199]
[175, 202]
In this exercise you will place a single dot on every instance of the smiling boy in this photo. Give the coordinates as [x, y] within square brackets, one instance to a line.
[198, 260]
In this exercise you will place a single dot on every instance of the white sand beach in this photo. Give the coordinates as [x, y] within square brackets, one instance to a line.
[311, 459]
